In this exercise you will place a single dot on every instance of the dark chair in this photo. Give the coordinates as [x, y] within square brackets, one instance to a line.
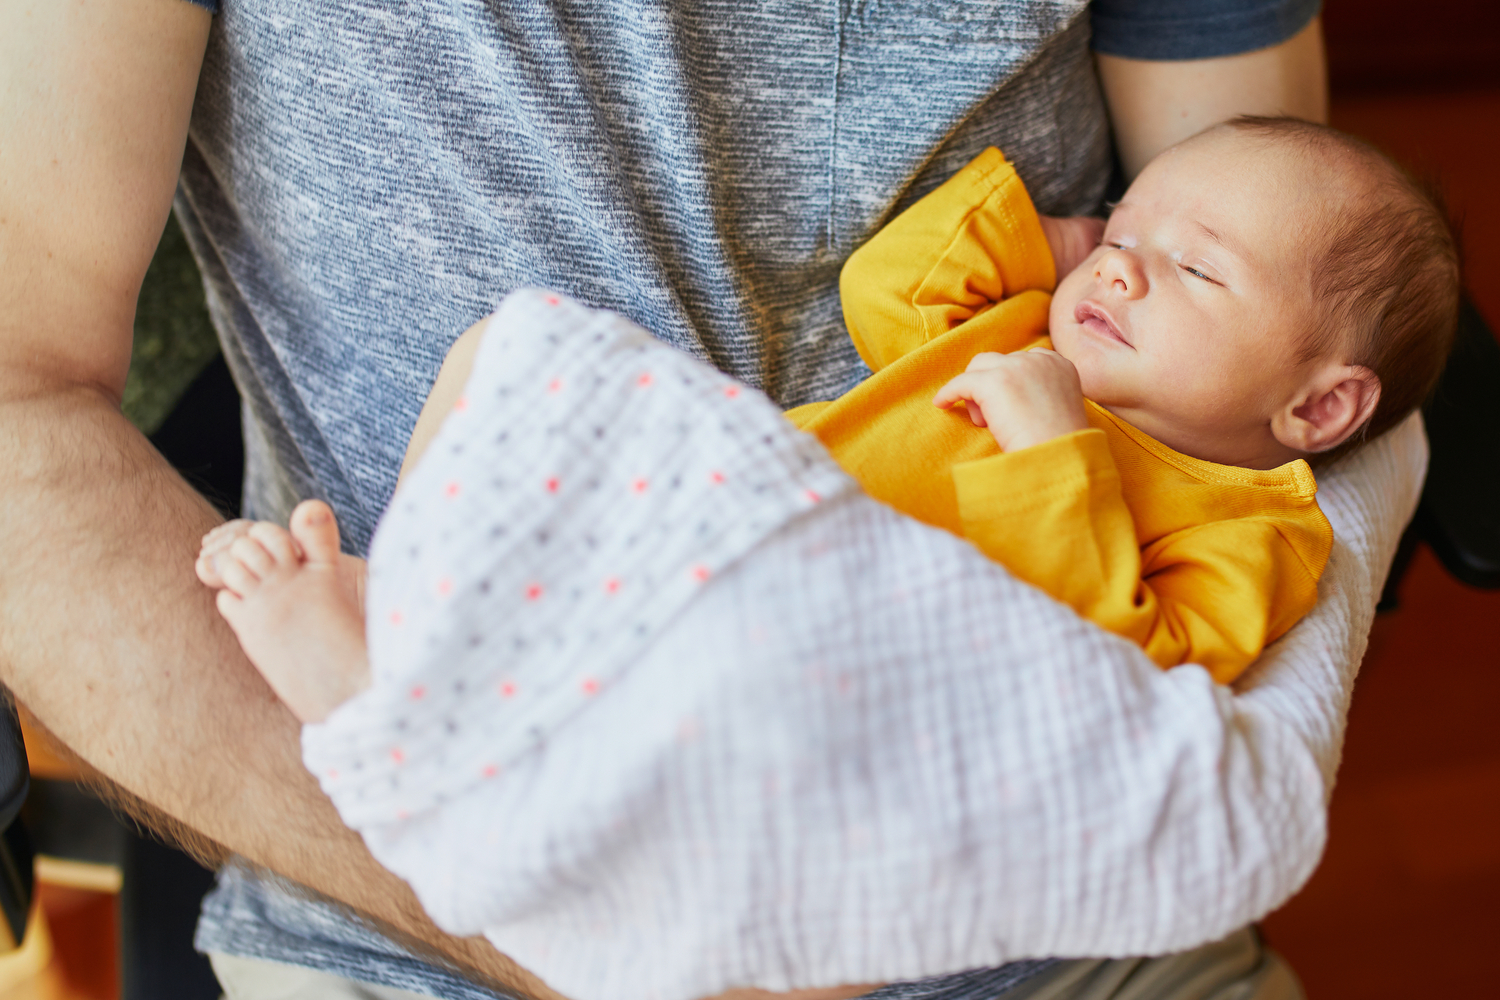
[15, 846]
[1459, 513]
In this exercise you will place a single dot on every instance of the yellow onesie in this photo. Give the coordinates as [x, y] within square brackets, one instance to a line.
[1196, 562]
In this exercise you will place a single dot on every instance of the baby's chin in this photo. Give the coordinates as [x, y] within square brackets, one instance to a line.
[1092, 365]
[1101, 383]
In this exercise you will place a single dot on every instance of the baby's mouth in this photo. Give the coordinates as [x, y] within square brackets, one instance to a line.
[1093, 318]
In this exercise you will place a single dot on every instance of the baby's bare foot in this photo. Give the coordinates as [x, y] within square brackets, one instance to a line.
[216, 545]
[294, 605]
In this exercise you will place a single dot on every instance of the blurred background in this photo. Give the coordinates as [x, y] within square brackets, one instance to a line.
[1407, 900]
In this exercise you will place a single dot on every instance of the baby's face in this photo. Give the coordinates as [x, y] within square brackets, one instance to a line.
[1187, 319]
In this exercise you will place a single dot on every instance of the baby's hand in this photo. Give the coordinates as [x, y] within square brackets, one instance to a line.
[1071, 240]
[1023, 398]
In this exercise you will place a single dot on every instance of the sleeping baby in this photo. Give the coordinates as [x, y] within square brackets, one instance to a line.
[1266, 293]
[1123, 419]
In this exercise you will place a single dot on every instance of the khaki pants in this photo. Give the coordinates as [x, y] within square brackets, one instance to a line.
[1239, 967]
[256, 979]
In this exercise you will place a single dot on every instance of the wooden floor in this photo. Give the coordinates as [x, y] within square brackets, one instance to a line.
[1407, 901]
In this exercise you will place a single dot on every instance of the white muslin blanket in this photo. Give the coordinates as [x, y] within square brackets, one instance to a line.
[663, 704]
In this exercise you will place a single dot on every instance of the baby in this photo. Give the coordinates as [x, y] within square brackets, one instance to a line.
[1266, 292]
[622, 610]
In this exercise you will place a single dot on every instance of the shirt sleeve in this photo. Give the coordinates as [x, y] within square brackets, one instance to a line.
[971, 243]
[1195, 29]
[1215, 594]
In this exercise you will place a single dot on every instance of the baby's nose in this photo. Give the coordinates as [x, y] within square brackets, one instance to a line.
[1122, 273]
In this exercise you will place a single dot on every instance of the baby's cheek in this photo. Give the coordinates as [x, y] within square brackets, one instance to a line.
[1060, 313]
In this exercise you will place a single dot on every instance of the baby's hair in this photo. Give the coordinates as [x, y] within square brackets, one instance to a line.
[1387, 276]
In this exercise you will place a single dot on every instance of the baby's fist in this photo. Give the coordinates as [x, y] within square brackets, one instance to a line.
[1023, 398]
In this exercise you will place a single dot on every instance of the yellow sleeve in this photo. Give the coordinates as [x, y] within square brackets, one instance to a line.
[971, 243]
[1215, 594]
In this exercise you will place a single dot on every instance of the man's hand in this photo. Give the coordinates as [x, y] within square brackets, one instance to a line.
[1071, 240]
[1023, 398]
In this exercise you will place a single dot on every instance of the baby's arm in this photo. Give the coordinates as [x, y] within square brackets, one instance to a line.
[973, 242]
[1052, 511]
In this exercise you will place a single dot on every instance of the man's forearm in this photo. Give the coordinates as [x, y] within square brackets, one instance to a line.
[104, 632]
[107, 637]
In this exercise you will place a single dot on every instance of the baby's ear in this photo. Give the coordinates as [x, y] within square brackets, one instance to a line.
[1338, 402]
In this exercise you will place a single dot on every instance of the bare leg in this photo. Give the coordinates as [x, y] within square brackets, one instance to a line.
[447, 389]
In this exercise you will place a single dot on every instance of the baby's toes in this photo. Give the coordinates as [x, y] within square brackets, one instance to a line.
[277, 542]
[239, 579]
[225, 534]
[215, 545]
[251, 554]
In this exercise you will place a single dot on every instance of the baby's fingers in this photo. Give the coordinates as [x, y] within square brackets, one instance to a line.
[960, 390]
[984, 361]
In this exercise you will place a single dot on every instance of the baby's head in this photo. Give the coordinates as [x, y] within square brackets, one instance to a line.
[1267, 290]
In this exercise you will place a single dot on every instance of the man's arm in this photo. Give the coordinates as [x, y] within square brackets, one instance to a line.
[104, 632]
[1155, 104]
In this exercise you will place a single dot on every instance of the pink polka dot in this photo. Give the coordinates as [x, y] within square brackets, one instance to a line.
[534, 592]
[555, 385]
[612, 585]
[402, 814]
[700, 573]
[333, 774]
[813, 497]
[461, 404]
[418, 693]
[397, 618]
[640, 486]
[452, 490]
[553, 484]
[716, 477]
[445, 586]
[731, 391]
[397, 756]
[643, 379]
[489, 770]
[553, 300]
[507, 689]
[589, 686]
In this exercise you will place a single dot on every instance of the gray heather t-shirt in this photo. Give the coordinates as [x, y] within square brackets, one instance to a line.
[364, 180]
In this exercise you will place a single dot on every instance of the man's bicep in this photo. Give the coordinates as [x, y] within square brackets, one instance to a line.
[94, 106]
[1159, 95]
